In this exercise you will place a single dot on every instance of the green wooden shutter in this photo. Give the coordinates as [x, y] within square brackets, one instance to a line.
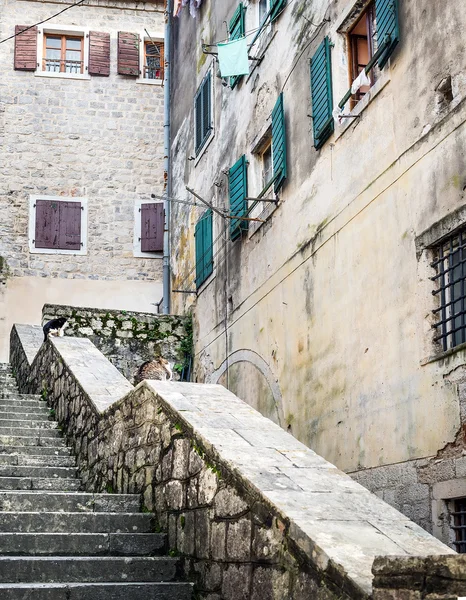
[237, 30]
[279, 144]
[386, 14]
[322, 96]
[238, 185]
[203, 113]
[204, 250]
[276, 8]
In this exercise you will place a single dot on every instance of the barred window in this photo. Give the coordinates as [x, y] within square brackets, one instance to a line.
[153, 60]
[458, 515]
[450, 278]
[63, 54]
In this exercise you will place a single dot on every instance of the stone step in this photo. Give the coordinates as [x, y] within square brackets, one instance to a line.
[30, 440]
[82, 544]
[97, 591]
[30, 432]
[37, 414]
[37, 461]
[35, 471]
[83, 569]
[9, 403]
[36, 450]
[18, 397]
[76, 522]
[27, 423]
[67, 502]
[60, 484]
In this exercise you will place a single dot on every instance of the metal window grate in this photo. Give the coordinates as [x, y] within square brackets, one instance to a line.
[459, 524]
[450, 265]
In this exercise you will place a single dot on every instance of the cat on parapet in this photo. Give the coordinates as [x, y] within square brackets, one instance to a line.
[55, 327]
[158, 368]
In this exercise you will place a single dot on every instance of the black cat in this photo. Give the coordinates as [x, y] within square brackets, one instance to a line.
[55, 327]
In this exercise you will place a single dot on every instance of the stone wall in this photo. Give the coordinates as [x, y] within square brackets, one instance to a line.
[127, 338]
[410, 578]
[254, 513]
[99, 138]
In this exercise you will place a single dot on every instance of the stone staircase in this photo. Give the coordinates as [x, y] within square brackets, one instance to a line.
[58, 543]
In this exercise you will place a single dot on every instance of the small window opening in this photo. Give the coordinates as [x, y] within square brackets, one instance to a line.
[458, 516]
[361, 49]
[450, 279]
[153, 60]
[444, 92]
[267, 164]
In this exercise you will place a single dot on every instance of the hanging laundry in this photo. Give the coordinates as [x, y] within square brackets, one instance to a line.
[177, 6]
[339, 114]
[361, 80]
[194, 7]
[233, 58]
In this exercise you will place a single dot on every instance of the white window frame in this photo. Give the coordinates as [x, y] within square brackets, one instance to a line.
[32, 225]
[143, 37]
[63, 30]
[137, 253]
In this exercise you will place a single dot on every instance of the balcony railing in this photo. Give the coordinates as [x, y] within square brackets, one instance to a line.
[53, 65]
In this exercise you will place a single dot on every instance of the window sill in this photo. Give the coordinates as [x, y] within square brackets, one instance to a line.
[33, 250]
[446, 355]
[364, 103]
[140, 254]
[62, 75]
[158, 82]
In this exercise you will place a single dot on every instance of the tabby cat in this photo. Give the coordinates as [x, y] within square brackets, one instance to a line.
[158, 368]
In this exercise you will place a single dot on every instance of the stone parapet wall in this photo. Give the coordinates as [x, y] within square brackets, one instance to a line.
[127, 338]
[411, 578]
[254, 513]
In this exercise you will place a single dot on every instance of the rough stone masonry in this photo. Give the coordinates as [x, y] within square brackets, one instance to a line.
[254, 514]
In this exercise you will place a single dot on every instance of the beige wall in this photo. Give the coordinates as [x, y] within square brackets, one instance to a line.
[330, 292]
[25, 297]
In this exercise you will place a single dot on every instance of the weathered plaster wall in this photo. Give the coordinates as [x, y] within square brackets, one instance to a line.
[254, 514]
[128, 338]
[100, 138]
[330, 293]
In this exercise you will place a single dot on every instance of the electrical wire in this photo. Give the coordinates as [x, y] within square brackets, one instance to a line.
[44, 21]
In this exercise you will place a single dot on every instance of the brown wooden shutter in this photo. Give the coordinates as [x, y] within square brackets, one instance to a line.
[70, 226]
[25, 48]
[128, 53]
[47, 224]
[152, 226]
[99, 53]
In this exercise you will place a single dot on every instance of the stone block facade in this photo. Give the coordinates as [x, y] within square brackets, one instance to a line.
[128, 338]
[253, 513]
[98, 138]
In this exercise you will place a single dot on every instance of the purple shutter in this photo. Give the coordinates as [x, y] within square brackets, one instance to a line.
[128, 53]
[70, 226]
[99, 53]
[47, 224]
[152, 226]
[25, 48]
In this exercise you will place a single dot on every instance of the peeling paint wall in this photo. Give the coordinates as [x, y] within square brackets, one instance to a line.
[330, 291]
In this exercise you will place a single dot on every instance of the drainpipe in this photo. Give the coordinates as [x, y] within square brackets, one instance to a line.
[166, 149]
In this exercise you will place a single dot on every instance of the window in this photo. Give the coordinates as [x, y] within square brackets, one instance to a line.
[238, 189]
[72, 52]
[63, 54]
[450, 278]
[236, 30]
[149, 225]
[204, 248]
[361, 45]
[203, 113]
[263, 8]
[57, 225]
[458, 516]
[266, 160]
[153, 60]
